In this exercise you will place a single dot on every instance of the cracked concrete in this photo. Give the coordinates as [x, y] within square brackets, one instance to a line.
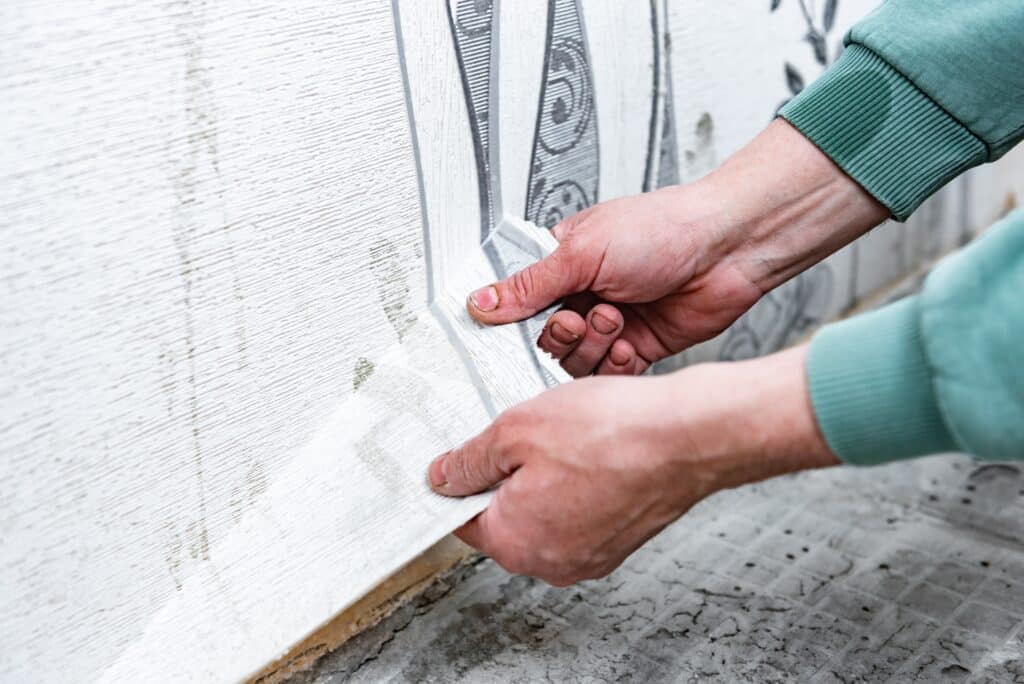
[910, 572]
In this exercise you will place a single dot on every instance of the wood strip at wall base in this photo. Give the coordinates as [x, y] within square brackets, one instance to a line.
[385, 599]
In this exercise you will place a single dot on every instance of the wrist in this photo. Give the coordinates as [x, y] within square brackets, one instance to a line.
[749, 421]
[783, 205]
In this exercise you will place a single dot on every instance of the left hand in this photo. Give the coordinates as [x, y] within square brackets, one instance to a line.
[643, 277]
[591, 470]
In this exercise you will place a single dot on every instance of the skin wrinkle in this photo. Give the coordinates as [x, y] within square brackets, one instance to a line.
[778, 242]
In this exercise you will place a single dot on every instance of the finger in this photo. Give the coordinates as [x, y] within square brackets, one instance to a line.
[475, 533]
[604, 323]
[562, 333]
[532, 289]
[481, 534]
[621, 359]
[485, 533]
[648, 346]
[474, 467]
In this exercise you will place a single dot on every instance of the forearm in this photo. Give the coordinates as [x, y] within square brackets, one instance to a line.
[781, 205]
[925, 90]
[753, 421]
[936, 372]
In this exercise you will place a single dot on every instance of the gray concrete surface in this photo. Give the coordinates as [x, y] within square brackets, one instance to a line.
[908, 572]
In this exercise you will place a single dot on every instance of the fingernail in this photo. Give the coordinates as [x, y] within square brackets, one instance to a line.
[485, 299]
[436, 473]
[603, 324]
[563, 335]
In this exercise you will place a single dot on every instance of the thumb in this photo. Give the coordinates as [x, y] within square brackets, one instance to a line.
[532, 289]
[474, 467]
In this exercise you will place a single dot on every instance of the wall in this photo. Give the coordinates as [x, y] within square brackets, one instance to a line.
[238, 240]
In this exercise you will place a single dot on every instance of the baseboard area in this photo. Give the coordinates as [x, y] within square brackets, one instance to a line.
[394, 592]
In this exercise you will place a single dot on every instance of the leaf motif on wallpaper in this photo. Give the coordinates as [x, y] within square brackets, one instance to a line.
[817, 41]
[816, 37]
[830, 14]
[829, 19]
[793, 79]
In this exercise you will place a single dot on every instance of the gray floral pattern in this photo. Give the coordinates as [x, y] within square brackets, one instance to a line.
[564, 171]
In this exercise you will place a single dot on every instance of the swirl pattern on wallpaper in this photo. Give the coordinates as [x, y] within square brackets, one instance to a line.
[564, 171]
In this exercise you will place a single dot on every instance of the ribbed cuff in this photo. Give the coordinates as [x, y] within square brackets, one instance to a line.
[872, 390]
[887, 135]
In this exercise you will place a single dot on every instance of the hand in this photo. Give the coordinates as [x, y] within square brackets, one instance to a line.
[590, 470]
[647, 276]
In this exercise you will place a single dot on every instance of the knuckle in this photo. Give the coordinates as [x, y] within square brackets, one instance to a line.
[497, 433]
[552, 556]
[457, 468]
[503, 430]
[521, 285]
[600, 566]
[511, 419]
[572, 225]
[569, 245]
[472, 473]
[572, 250]
[513, 553]
[577, 258]
[514, 561]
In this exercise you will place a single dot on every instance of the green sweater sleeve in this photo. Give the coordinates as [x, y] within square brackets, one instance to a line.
[925, 90]
[940, 371]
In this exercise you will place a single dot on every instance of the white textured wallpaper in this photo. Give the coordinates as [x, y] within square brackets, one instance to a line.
[236, 242]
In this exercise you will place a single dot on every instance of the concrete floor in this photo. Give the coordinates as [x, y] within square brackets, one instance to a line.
[909, 572]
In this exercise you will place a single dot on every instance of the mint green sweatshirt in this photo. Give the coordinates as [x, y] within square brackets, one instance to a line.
[925, 90]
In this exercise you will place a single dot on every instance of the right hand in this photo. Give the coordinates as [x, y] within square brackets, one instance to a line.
[647, 276]
[586, 472]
